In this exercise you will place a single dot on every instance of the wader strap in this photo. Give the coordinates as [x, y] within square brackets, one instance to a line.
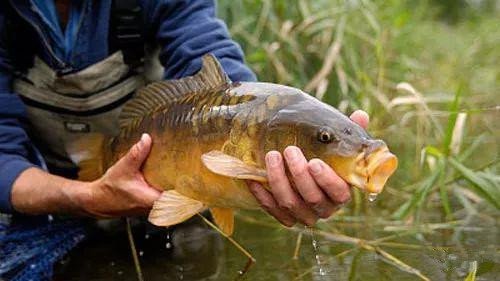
[80, 106]
[61, 109]
[126, 31]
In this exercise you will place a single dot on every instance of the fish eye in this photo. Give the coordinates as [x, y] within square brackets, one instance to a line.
[325, 136]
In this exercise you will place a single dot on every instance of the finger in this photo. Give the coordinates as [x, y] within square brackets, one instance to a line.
[360, 117]
[270, 205]
[138, 153]
[148, 195]
[305, 184]
[333, 185]
[283, 192]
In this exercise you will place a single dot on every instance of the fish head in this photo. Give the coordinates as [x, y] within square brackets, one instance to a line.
[322, 131]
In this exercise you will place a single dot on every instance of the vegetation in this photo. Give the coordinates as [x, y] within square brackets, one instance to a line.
[428, 74]
[428, 79]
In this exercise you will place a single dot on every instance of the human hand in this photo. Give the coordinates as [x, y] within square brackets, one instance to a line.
[316, 191]
[122, 190]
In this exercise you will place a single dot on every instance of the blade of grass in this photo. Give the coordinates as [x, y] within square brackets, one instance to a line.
[472, 272]
[457, 134]
[452, 119]
[330, 59]
[479, 185]
[445, 200]
[354, 266]
[419, 196]
[400, 264]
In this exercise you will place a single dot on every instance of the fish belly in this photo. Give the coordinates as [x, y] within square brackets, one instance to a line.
[175, 163]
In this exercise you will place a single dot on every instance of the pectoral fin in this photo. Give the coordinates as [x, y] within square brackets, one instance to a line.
[229, 166]
[224, 218]
[173, 208]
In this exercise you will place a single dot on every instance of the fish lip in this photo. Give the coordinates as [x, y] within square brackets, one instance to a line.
[373, 169]
[380, 167]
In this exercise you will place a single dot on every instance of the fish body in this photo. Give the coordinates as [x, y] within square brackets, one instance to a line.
[210, 135]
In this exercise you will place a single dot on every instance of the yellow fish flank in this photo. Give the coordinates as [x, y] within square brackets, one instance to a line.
[209, 135]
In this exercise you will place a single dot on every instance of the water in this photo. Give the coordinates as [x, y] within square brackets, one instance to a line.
[168, 243]
[444, 254]
[317, 257]
[372, 197]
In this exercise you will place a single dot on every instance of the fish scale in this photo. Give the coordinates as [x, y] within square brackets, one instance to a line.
[210, 135]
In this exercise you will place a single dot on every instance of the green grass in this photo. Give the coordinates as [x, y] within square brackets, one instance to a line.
[442, 122]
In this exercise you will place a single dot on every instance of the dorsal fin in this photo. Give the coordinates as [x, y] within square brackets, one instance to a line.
[158, 95]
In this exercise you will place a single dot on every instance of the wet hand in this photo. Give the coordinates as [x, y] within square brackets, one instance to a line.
[314, 191]
[122, 190]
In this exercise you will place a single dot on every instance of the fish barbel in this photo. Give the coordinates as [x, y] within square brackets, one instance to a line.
[209, 135]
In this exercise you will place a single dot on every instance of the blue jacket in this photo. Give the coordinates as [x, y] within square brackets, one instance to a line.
[184, 29]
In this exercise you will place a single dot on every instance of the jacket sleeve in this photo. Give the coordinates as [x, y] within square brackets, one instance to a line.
[188, 29]
[16, 151]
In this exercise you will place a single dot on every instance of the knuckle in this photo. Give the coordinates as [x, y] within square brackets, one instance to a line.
[279, 183]
[298, 170]
[289, 204]
[344, 197]
[134, 153]
[288, 222]
[267, 205]
[326, 213]
[274, 176]
[310, 221]
[315, 200]
[327, 178]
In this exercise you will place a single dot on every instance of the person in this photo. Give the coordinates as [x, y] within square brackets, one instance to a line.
[67, 67]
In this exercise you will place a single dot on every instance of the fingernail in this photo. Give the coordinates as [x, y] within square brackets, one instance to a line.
[292, 153]
[143, 138]
[273, 159]
[315, 167]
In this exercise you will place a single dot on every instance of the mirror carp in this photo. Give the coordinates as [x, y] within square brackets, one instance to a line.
[210, 135]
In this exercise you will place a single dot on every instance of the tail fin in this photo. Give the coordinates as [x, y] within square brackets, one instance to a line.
[88, 153]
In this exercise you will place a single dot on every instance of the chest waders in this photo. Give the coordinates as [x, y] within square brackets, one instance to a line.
[62, 108]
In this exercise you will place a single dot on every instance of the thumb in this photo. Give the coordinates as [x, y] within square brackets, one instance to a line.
[138, 153]
[360, 117]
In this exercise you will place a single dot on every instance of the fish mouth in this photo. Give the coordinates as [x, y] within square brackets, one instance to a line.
[381, 165]
[369, 171]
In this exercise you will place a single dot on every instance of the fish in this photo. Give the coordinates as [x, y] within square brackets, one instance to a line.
[210, 135]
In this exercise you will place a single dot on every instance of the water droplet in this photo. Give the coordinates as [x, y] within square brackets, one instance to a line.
[180, 275]
[146, 236]
[240, 272]
[372, 197]
[168, 245]
[141, 253]
[317, 256]
[32, 265]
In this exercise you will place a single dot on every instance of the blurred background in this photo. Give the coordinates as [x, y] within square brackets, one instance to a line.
[428, 73]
